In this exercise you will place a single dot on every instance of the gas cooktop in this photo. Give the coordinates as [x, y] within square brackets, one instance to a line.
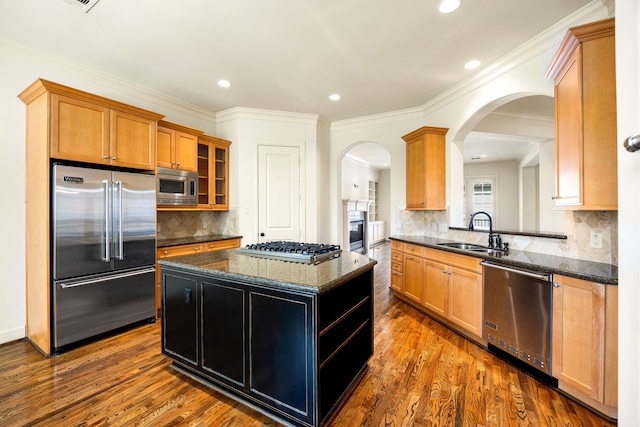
[309, 253]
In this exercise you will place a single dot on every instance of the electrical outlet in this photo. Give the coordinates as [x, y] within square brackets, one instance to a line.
[444, 228]
[434, 226]
[596, 240]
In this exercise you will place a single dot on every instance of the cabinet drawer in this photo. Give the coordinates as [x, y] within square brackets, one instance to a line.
[419, 251]
[397, 281]
[396, 256]
[221, 244]
[396, 266]
[179, 251]
[455, 260]
[397, 246]
[415, 250]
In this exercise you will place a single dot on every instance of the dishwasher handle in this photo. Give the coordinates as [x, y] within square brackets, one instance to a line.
[545, 277]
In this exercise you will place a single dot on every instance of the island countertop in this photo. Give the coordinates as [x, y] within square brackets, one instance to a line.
[275, 273]
[580, 269]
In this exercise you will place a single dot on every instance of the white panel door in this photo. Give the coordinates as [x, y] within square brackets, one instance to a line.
[279, 193]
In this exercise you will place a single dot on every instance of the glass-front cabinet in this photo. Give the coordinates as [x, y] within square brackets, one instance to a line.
[213, 173]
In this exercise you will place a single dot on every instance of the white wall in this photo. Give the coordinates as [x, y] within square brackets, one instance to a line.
[355, 180]
[384, 193]
[530, 198]
[250, 128]
[550, 220]
[506, 216]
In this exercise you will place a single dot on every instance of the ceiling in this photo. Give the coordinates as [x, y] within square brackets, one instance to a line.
[285, 55]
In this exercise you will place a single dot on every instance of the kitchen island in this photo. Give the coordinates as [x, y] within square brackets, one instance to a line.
[288, 339]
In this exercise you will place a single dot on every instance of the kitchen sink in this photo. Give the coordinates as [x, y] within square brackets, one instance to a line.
[465, 246]
[472, 248]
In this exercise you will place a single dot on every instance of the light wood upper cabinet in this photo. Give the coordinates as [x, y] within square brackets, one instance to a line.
[583, 70]
[132, 141]
[177, 146]
[87, 128]
[79, 130]
[585, 341]
[213, 173]
[426, 169]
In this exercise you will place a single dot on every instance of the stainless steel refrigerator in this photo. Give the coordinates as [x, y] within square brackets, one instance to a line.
[103, 251]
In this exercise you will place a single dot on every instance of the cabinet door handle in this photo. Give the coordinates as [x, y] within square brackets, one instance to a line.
[165, 252]
[196, 249]
[105, 157]
[113, 158]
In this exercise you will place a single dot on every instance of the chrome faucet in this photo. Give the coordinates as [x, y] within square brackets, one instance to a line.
[490, 225]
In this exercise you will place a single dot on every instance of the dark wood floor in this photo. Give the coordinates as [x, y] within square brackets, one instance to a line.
[421, 374]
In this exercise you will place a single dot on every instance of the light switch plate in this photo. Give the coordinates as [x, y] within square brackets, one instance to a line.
[596, 240]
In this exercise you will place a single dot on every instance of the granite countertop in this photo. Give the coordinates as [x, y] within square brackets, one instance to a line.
[580, 269]
[229, 264]
[165, 243]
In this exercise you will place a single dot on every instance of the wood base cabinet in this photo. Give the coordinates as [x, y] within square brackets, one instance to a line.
[585, 342]
[584, 73]
[397, 266]
[443, 284]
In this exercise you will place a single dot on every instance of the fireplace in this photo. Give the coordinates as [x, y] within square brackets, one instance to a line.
[356, 231]
[356, 225]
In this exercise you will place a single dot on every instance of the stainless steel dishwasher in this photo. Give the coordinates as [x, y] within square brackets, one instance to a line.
[517, 314]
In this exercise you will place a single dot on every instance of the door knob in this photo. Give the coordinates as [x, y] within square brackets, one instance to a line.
[261, 234]
[632, 143]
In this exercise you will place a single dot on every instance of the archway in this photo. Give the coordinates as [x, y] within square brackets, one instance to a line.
[364, 184]
[507, 146]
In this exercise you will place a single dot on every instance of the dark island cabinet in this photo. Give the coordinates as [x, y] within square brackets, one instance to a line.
[292, 354]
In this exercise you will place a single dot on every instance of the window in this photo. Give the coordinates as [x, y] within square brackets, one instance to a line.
[481, 197]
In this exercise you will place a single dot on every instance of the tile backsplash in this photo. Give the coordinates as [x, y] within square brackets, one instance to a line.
[578, 227]
[178, 224]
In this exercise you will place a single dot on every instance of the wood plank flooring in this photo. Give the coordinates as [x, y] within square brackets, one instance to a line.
[421, 374]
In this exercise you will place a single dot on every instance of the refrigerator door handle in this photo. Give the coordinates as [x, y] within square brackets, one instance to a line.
[107, 221]
[102, 279]
[119, 255]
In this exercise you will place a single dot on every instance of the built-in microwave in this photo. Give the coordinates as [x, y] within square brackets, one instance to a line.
[177, 187]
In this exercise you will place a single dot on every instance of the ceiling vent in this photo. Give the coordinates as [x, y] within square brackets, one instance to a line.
[85, 5]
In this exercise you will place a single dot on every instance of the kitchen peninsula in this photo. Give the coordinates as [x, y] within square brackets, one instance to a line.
[286, 338]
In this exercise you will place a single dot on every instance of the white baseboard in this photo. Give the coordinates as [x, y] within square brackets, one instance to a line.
[12, 334]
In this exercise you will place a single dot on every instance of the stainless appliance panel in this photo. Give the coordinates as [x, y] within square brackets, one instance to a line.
[134, 220]
[93, 305]
[176, 187]
[518, 314]
[80, 221]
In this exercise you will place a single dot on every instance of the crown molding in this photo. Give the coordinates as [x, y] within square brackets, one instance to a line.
[243, 113]
[543, 42]
[544, 120]
[378, 119]
[24, 52]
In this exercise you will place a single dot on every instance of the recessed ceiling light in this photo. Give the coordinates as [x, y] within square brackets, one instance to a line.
[335, 97]
[448, 6]
[472, 64]
[224, 83]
